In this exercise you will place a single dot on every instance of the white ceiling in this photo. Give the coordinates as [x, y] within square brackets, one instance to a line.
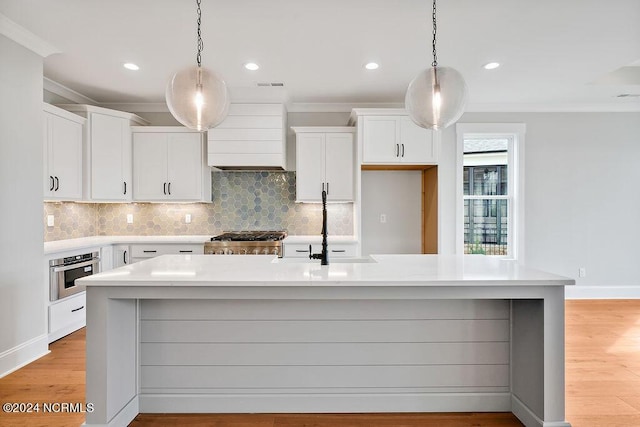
[554, 54]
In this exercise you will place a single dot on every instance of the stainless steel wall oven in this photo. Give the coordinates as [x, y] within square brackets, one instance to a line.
[63, 273]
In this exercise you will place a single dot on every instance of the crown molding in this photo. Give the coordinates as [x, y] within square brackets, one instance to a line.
[622, 107]
[26, 38]
[137, 107]
[346, 107]
[70, 94]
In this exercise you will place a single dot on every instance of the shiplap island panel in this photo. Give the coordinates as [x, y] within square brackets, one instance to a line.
[258, 334]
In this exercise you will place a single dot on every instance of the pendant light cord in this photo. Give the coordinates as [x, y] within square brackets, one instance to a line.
[435, 29]
[201, 45]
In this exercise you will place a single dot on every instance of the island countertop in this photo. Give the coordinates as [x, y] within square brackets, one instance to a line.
[394, 333]
[383, 270]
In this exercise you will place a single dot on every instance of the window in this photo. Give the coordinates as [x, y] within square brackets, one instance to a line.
[490, 189]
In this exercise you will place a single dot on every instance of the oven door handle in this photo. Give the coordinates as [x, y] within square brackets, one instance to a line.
[74, 266]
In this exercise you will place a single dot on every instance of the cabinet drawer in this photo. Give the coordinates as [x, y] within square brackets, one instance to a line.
[301, 250]
[67, 312]
[150, 251]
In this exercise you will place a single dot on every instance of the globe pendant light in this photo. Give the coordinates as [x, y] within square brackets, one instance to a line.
[198, 98]
[436, 98]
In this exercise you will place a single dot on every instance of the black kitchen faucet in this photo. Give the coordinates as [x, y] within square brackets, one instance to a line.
[322, 256]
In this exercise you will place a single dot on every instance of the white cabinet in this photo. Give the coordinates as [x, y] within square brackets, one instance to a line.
[301, 250]
[324, 161]
[107, 163]
[110, 157]
[121, 255]
[251, 136]
[168, 164]
[67, 315]
[389, 136]
[141, 252]
[62, 154]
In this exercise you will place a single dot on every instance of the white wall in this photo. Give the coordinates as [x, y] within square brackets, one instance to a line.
[582, 201]
[397, 195]
[22, 282]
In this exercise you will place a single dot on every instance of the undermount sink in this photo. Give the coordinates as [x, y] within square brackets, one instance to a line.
[349, 260]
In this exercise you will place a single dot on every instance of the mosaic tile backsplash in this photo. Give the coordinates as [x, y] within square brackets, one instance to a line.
[240, 201]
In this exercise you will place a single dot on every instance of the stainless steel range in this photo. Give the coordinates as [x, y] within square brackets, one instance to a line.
[246, 243]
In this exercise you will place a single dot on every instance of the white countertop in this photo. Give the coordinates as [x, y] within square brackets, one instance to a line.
[96, 241]
[90, 242]
[261, 271]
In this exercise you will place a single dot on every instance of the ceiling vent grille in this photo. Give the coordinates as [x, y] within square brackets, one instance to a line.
[267, 84]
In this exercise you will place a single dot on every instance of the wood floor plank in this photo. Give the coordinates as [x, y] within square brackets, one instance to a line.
[602, 383]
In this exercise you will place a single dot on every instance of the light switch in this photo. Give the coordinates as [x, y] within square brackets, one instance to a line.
[187, 218]
[50, 221]
[383, 218]
[129, 218]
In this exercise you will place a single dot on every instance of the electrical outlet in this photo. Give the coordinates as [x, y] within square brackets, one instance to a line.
[187, 218]
[383, 218]
[50, 221]
[129, 218]
[582, 272]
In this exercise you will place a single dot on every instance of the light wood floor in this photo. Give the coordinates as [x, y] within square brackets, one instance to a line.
[602, 383]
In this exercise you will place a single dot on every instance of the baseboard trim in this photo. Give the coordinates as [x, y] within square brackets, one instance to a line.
[56, 335]
[21, 355]
[122, 418]
[323, 403]
[528, 418]
[602, 292]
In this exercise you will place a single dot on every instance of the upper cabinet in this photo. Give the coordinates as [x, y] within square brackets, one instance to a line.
[324, 161]
[253, 136]
[389, 136]
[107, 172]
[62, 154]
[169, 165]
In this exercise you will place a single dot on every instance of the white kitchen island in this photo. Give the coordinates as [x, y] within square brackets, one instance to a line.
[406, 333]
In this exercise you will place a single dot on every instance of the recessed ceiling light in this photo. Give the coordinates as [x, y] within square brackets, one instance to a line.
[491, 66]
[372, 66]
[251, 66]
[131, 66]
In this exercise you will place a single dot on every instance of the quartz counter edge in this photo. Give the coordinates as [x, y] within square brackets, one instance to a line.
[388, 270]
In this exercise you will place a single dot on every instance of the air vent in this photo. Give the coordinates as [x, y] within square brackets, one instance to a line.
[267, 84]
[629, 95]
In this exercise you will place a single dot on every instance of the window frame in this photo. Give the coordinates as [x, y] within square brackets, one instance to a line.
[515, 134]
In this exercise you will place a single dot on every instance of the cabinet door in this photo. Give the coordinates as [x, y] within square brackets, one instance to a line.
[380, 140]
[150, 166]
[309, 166]
[416, 143]
[184, 159]
[339, 166]
[110, 158]
[64, 158]
[121, 255]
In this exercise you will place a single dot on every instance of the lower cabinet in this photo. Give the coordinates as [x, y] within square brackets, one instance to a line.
[301, 250]
[142, 252]
[67, 315]
[121, 255]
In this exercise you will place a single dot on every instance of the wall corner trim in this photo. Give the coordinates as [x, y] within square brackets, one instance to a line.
[26, 38]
